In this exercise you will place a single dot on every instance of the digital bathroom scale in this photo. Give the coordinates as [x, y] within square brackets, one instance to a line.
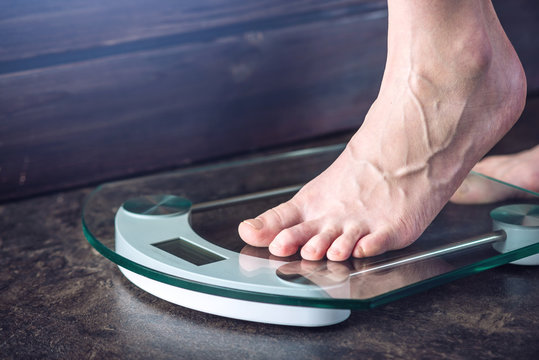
[175, 236]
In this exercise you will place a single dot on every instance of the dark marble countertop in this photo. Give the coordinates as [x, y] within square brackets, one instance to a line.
[59, 298]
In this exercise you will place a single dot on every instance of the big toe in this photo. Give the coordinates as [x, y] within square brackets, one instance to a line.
[476, 189]
[261, 230]
[473, 190]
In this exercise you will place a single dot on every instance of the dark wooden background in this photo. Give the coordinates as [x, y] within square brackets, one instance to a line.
[96, 90]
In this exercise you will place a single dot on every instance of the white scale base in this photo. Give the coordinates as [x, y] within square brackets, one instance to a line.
[239, 309]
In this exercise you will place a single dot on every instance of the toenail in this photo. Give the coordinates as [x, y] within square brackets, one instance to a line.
[359, 253]
[257, 224]
[308, 249]
[333, 251]
[274, 247]
[463, 189]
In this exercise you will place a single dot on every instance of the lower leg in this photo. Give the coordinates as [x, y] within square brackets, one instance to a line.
[452, 87]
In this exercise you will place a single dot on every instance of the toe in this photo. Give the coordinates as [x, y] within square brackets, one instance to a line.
[479, 190]
[375, 244]
[262, 230]
[472, 190]
[317, 246]
[289, 240]
[342, 247]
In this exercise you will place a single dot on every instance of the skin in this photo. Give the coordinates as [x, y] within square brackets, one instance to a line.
[452, 87]
[521, 169]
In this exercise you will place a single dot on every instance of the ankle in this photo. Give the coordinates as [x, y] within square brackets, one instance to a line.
[434, 35]
[467, 55]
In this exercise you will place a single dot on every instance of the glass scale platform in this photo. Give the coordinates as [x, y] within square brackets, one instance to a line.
[175, 236]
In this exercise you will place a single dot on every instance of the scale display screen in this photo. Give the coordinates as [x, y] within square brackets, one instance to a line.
[188, 251]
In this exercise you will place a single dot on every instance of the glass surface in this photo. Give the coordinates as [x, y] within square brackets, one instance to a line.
[223, 194]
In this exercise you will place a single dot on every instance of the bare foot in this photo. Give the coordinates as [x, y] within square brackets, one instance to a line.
[453, 86]
[520, 169]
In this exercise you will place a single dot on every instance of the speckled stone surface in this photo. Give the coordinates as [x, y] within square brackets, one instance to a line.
[59, 298]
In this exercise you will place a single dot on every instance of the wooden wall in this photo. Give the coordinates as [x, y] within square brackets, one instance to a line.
[97, 90]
